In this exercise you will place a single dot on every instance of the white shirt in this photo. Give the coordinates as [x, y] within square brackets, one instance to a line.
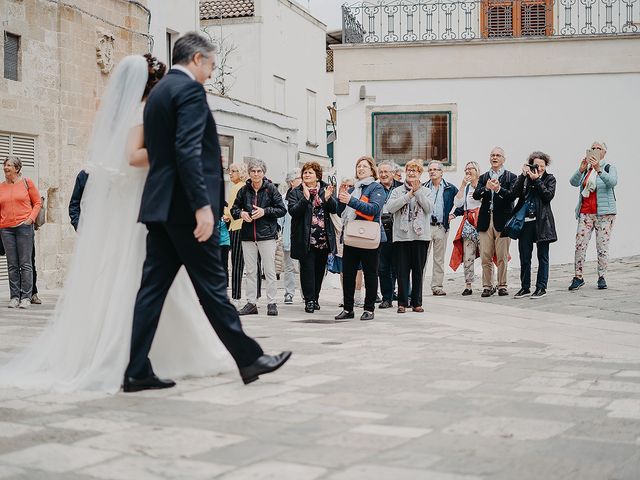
[472, 203]
[184, 70]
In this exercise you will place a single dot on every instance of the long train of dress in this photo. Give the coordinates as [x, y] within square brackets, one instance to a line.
[85, 345]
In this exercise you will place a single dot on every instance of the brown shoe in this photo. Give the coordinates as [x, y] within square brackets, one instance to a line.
[418, 309]
[439, 293]
[401, 309]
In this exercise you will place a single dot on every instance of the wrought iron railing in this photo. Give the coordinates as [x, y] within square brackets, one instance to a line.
[448, 20]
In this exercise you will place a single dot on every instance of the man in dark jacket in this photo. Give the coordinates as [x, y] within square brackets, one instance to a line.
[76, 197]
[259, 204]
[494, 189]
[386, 271]
[443, 194]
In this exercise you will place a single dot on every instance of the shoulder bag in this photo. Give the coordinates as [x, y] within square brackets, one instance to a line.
[42, 214]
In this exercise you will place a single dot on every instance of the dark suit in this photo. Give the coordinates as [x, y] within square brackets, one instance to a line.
[495, 211]
[185, 174]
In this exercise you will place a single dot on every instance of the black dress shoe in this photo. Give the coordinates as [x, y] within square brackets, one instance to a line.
[366, 315]
[385, 304]
[316, 305]
[344, 314]
[467, 291]
[309, 307]
[131, 384]
[264, 364]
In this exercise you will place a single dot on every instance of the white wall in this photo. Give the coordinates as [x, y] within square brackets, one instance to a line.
[178, 16]
[559, 115]
[293, 48]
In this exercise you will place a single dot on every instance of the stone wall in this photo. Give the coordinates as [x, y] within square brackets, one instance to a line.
[58, 95]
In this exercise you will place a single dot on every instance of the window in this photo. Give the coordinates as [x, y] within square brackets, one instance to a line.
[516, 18]
[312, 129]
[279, 94]
[401, 136]
[24, 147]
[11, 56]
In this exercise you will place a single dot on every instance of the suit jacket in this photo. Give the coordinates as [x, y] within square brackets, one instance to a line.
[502, 201]
[185, 170]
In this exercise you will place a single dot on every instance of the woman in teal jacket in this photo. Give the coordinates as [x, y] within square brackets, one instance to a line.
[596, 210]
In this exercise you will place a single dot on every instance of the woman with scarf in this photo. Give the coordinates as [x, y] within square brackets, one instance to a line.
[411, 206]
[596, 179]
[466, 243]
[363, 202]
[312, 233]
[535, 188]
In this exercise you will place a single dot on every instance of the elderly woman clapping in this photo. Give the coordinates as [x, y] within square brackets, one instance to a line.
[312, 233]
[411, 206]
[19, 206]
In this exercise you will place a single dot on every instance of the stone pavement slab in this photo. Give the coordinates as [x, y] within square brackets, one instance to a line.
[472, 389]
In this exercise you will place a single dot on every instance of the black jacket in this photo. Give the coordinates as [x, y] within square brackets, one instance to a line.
[76, 197]
[502, 201]
[267, 197]
[386, 219]
[300, 210]
[542, 191]
[185, 170]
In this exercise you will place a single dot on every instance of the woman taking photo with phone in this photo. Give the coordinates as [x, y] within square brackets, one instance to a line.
[596, 210]
[535, 188]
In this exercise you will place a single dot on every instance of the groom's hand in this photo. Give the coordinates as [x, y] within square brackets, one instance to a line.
[204, 224]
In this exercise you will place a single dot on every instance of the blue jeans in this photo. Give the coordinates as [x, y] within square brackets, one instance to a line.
[18, 243]
[525, 248]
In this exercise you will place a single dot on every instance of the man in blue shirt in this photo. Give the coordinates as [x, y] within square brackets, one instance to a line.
[443, 194]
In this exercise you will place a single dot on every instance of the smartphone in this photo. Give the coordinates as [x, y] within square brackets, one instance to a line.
[593, 153]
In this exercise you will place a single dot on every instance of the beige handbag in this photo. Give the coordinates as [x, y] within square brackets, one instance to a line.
[362, 234]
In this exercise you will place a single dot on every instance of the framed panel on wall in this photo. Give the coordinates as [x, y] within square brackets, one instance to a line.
[226, 150]
[400, 136]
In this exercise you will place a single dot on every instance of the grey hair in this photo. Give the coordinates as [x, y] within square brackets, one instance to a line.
[188, 45]
[542, 156]
[504, 155]
[604, 145]
[388, 163]
[292, 175]
[347, 179]
[242, 169]
[436, 162]
[474, 165]
[13, 160]
[257, 163]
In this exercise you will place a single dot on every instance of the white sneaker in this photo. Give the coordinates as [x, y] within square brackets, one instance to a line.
[14, 303]
[25, 303]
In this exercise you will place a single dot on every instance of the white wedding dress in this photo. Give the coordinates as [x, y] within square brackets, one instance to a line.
[85, 345]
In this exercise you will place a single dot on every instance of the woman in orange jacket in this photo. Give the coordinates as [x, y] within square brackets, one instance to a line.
[19, 206]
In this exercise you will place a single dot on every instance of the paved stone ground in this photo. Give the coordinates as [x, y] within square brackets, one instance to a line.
[473, 389]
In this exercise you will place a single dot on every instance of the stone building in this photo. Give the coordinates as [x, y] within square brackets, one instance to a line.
[55, 61]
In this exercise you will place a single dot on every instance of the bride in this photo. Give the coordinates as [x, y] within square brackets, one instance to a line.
[85, 346]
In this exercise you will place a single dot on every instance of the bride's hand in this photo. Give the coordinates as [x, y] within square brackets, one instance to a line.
[204, 224]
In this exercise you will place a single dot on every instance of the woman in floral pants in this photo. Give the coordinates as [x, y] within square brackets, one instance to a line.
[596, 210]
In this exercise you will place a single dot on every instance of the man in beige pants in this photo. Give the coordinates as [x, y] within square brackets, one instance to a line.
[443, 194]
[494, 190]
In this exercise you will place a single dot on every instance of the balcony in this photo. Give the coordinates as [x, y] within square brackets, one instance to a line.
[398, 21]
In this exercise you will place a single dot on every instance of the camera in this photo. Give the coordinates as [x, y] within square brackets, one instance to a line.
[434, 220]
[533, 168]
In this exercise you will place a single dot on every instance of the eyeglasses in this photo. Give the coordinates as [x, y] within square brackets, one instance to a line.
[412, 170]
[434, 170]
[255, 171]
[496, 155]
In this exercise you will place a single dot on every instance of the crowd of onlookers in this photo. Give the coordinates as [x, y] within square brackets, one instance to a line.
[379, 227]
[376, 229]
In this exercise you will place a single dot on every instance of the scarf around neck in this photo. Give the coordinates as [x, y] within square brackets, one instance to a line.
[349, 213]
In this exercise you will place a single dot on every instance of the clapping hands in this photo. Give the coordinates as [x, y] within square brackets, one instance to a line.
[493, 184]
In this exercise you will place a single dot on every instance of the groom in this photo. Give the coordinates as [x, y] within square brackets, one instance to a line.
[182, 199]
